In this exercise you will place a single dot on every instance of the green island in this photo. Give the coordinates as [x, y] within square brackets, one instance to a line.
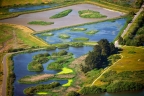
[61, 14]
[38, 60]
[110, 67]
[40, 23]
[81, 39]
[90, 14]
[78, 29]
[64, 36]
[47, 34]
[92, 32]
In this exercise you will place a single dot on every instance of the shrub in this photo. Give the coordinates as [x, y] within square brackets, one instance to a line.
[61, 14]
[72, 93]
[40, 23]
[90, 14]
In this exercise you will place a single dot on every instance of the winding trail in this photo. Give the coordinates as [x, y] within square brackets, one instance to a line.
[129, 25]
[4, 84]
[116, 42]
[105, 70]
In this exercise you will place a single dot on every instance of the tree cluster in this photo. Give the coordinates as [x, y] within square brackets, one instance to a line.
[98, 57]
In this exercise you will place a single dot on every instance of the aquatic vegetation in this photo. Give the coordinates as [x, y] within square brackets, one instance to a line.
[69, 83]
[79, 29]
[81, 39]
[65, 71]
[40, 23]
[90, 14]
[47, 34]
[64, 36]
[61, 14]
[92, 32]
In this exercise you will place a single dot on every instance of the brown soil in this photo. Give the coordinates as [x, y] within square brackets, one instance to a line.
[68, 76]
[38, 77]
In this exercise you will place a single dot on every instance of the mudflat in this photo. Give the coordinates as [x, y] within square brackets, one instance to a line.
[70, 20]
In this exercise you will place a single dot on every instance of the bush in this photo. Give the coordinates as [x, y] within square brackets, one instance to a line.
[40, 23]
[91, 90]
[81, 39]
[61, 46]
[124, 86]
[72, 93]
[61, 14]
[76, 44]
[90, 14]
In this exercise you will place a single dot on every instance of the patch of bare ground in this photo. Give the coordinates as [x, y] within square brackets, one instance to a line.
[63, 76]
[38, 77]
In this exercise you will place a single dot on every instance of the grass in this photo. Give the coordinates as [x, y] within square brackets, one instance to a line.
[61, 14]
[69, 83]
[25, 35]
[92, 32]
[40, 23]
[90, 14]
[79, 29]
[5, 33]
[47, 34]
[42, 93]
[65, 71]
[130, 62]
[64, 36]
[81, 39]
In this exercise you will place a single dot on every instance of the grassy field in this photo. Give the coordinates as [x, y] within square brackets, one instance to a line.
[132, 63]
[132, 60]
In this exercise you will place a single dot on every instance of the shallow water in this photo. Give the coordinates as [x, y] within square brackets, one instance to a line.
[29, 8]
[107, 30]
[21, 61]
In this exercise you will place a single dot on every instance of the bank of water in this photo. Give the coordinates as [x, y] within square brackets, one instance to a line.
[30, 8]
[135, 93]
[106, 30]
[21, 61]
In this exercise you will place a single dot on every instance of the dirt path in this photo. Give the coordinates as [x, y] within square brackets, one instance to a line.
[129, 25]
[105, 70]
[4, 84]
[72, 19]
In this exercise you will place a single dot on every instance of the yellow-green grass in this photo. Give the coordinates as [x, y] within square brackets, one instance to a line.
[25, 35]
[5, 33]
[69, 83]
[133, 59]
[22, 2]
[90, 43]
[65, 70]
[42, 93]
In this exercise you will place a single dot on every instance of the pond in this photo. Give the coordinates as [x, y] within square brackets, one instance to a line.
[106, 30]
[21, 61]
[30, 8]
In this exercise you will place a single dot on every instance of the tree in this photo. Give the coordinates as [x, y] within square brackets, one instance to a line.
[93, 60]
[72, 93]
[105, 46]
